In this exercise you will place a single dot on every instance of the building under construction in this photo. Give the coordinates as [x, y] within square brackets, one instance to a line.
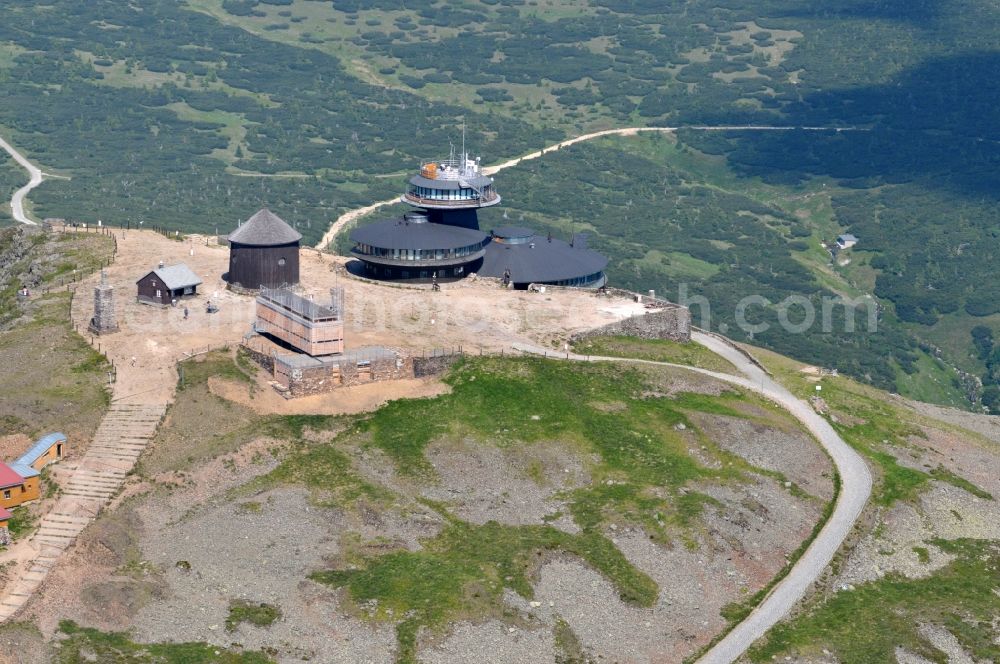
[301, 323]
[303, 345]
[442, 240]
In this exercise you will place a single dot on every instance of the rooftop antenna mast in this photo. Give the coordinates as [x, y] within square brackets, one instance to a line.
[463, 145]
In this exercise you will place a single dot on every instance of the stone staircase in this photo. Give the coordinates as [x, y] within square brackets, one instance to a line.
[121, 437]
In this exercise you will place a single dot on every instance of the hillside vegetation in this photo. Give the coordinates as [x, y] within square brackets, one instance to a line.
[161, 114]
[428, 517]
[54, 381]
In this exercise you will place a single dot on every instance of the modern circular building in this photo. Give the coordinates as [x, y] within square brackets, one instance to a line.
[414, 248]
[263, 253]
[442, 239]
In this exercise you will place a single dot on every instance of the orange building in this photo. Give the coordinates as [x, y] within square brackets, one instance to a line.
[46, 450]
[19, 482]
[15, 489]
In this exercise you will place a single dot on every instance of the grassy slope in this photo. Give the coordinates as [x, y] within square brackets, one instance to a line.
[83, 644]
[324, 27]
[640, 474]
[810, 203]
[461, 572]
[54, 380]
[868, 623]
[12, 177]
[660, 350]
[870, 422]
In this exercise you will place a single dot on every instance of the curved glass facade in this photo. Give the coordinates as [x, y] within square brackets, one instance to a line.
[418, 254]
[589, 280]
[462, 194]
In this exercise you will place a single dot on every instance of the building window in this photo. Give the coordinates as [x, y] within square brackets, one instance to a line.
[158, 294]
[6, 494]
[281, 262]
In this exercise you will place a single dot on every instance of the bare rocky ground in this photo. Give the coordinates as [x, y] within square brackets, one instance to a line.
[742, 546]
[517, 486]
[941, 511]
[178, 547]
[799, 458]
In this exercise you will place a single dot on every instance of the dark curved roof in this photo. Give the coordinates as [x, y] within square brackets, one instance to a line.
[265, 229]
[513, 231]
[396, 234]
[478, 182]
[541, 261]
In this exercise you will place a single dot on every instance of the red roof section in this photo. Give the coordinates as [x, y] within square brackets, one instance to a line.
[4, 514]
[8, 477]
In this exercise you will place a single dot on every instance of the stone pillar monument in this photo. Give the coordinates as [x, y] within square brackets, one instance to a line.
[104, 321]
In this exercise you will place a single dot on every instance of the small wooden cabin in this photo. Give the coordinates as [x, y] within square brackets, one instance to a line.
[47, 449]
[165, 284]
[15, 488]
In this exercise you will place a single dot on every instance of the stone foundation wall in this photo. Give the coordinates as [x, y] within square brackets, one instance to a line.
[304, 381]
[673, 323]
[263, 359]
[317, 380]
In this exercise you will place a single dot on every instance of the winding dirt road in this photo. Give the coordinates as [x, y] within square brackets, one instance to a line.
[17, 200]
[855, 489]
[345, 219]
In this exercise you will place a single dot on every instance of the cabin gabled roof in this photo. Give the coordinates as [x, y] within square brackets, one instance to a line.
[175, 277]
[265, 229]
[43, 445]
[9, 477]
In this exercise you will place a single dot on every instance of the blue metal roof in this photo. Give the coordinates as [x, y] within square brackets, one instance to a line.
[23, 469]
[41, 446]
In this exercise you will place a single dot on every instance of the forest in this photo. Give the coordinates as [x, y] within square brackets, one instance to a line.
[190, 115]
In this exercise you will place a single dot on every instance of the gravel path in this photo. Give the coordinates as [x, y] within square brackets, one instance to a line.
[856, 486]
[17, 200]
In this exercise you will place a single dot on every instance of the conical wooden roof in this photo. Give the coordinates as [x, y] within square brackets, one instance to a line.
[265, 229]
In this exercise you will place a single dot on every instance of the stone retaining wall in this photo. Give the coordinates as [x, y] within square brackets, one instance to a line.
[263, 359]
[673, 323]
[317, 380]
[304, 381]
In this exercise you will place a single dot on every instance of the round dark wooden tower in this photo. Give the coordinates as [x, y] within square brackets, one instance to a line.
[264, 253]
